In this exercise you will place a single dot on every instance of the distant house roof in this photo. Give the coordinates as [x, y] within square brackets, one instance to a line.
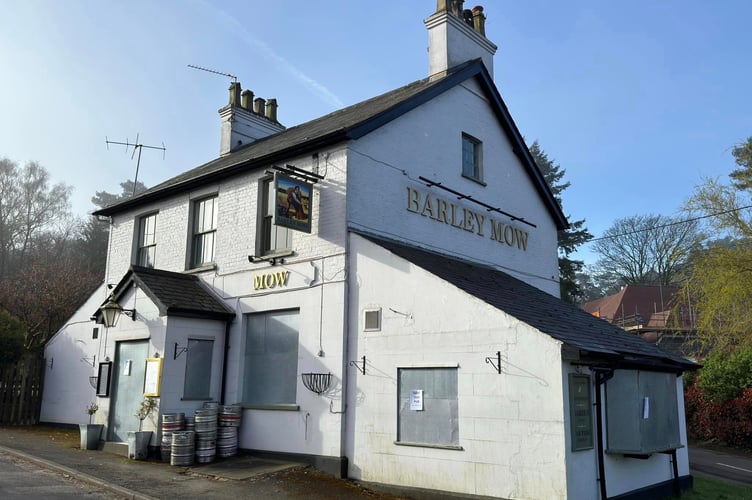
[346, 124]
[648, 306]
[565, 322]
[174, 294]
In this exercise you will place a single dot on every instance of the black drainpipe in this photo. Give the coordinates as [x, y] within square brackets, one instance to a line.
[224, 362]
[601, 376]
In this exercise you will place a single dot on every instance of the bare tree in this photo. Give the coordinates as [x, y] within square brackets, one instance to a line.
[647, 249]
[29, 205]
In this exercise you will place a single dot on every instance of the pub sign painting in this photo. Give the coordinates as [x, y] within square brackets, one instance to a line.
[293, 203]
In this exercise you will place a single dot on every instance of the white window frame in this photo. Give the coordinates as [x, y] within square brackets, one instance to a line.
[203, 232]
[146, 242]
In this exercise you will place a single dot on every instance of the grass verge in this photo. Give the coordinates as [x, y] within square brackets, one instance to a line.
[706, 488]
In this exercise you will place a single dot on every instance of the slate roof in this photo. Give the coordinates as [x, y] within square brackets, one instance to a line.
[347, 124]
[595, 337]
[175, 294]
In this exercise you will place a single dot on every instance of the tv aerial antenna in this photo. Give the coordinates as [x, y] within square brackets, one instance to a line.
[229, 75]
[137, 146]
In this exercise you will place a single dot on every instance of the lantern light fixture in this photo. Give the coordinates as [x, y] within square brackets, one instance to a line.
[111, 312]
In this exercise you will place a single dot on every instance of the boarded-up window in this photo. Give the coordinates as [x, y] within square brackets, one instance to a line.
[642, 414]
[198, 366]
[271, 358]
[428, 411]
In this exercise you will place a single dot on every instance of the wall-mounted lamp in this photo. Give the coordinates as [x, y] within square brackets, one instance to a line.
[111, 312]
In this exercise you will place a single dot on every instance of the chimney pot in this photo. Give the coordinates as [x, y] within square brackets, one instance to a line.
[259, 106]
[441, 5]
[246, 101]
[479, 20]
[271, 110]
[456, 7]
[235, 94]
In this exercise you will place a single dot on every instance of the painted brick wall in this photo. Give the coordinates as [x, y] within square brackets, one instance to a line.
[237, 218]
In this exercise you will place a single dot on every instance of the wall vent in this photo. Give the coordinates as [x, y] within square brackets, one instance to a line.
[372, 320]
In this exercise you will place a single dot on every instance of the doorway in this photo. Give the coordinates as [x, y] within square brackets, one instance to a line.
[127, 388]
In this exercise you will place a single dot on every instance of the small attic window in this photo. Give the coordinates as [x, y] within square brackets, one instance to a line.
[472, 158]
[372, 320]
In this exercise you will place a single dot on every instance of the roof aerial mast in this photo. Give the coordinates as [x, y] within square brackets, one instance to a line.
[137, 146]
[230, 75]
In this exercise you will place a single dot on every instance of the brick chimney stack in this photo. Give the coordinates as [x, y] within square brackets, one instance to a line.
[245, 120]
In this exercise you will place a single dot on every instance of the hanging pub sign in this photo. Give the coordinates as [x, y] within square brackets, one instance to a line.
[293, 203]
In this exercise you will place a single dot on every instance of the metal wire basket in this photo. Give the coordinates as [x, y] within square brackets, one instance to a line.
[317, 382]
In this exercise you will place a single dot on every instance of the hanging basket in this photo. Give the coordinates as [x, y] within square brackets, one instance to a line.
[317, 382]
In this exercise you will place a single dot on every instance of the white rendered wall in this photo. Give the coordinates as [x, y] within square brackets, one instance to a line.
[69, 355]
[147, 326]
[582, 466]
[179, 330]
[424, 142]
[316, 288]
[511, 425]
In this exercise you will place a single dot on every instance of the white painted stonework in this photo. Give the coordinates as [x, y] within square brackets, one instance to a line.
[511, 426]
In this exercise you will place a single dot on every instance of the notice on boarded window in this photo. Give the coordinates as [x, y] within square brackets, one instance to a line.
[580, 412]
[416, 400]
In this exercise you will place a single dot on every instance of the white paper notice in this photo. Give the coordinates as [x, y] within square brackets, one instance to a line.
[646, 408]
[127, 367]
[416, 400]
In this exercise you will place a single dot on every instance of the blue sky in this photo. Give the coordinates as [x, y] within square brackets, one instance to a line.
[638, 101]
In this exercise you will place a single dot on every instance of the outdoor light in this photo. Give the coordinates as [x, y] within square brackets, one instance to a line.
[111, 311]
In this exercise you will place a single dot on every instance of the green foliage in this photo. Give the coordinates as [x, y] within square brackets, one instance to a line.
[742, 176]
[568, 239]
[724, 376]
[11, 339]
[720, 287]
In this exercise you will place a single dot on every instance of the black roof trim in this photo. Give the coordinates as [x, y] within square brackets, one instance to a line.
[350, 123]
[174, 294]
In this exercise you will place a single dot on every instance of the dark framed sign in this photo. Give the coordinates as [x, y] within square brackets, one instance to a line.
[103, 379]
[293, 203]
[580, 412]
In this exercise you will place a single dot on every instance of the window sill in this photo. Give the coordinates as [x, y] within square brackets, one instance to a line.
[426, 445]
[279, 407]
[201, 269]
[474, 179]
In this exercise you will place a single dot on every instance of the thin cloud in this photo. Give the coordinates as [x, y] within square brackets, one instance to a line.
[265, 50]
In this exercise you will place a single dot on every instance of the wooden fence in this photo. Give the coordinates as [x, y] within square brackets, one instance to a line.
[21, 391]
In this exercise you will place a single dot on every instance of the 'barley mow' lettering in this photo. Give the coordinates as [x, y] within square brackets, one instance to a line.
[270, 280]
[441, 210]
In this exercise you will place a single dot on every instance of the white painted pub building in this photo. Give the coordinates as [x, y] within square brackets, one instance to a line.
[378, 289]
